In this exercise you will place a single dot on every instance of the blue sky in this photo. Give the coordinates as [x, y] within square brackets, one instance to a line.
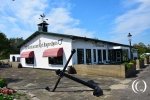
[109, 20]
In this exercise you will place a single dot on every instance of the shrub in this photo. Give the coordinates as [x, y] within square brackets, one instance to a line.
[141, 59]
[2, 83]
[0, 63]
[6, 97]
[132, 61]
[128, 65]
[19, 65]
[71, 70]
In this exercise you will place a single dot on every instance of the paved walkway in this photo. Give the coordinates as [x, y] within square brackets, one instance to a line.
[128, 94]
[33, 82]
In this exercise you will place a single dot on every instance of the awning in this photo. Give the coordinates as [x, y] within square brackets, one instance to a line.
[28, 54]
[56, 52]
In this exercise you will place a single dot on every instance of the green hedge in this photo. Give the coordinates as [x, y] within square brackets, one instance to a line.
[2, 83]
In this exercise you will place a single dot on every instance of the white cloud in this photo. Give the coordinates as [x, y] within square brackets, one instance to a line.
[60, 21]
[20, 18]
[62, 16]
[135, 20]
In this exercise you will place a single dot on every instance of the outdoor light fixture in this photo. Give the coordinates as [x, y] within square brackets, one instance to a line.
[129, 37]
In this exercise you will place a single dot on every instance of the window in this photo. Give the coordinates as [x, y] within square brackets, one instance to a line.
[104, 55]
[118, 56]
[110, 53]
[80, 56]
[94, 54]
[56, 60]
[125, 55]
[18, 59]
[29, 60]
[88, 56]
[99, 56]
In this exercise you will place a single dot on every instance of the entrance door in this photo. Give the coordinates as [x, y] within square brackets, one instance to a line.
[118, 56]
[13, 58]
[99, 56]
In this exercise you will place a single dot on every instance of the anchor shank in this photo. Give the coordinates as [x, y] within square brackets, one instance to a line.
[77, 80]
[97, 90]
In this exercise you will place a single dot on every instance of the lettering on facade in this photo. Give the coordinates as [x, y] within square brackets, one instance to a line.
[44, 44]
[99, 45]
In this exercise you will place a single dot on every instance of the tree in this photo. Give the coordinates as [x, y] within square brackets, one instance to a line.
[4, 45]
[3, 41]
[142, 48]
[9, 46]
[14, 43]
[148, 48]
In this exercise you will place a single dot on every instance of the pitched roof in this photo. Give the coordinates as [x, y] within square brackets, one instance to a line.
[68, 36]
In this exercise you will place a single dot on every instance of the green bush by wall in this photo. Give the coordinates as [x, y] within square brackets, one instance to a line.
[2, 83]
[128, 65]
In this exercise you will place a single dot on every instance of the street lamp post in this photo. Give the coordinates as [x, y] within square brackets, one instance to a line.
[129, 37]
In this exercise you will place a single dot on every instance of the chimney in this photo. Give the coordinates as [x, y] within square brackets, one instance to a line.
[43, 27]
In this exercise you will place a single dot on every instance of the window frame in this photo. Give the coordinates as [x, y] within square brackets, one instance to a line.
[29, 60]
[99, 54]
[94, 55]
[55, 60]
[88, 56]
[80, 54]
[104, 54]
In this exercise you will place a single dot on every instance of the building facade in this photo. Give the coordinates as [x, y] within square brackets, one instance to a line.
[14, 58]
[51, 50]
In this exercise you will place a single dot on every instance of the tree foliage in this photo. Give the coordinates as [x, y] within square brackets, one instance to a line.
[3, 46]
[8, 46]
[142, 48]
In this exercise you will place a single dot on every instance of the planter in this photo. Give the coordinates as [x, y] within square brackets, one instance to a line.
[138, 64]
[148, 60]
[145, 61]
[130, 72]
[141, 63]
